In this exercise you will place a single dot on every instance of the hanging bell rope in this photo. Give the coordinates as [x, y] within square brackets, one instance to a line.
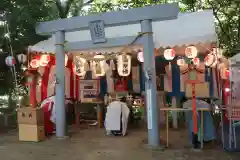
[113, 56]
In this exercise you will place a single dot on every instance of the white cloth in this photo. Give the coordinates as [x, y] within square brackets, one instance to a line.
[200, 104]
[53, 113]
[113, 116]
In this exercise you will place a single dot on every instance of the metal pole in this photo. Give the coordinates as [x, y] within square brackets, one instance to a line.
[150, 85]
[60, 86]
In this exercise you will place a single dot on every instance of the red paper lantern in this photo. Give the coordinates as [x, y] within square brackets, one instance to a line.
[196, 61]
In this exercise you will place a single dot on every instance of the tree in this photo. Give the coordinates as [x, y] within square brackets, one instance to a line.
[226, 14]
[70, 7]
[21, 16]
[227, 18]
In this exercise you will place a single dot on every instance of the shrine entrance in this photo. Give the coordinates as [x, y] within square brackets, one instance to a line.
[98, 25]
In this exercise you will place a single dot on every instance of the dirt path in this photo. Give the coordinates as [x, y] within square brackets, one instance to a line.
[92, 144]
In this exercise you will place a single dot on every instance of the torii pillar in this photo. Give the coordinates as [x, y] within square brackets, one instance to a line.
[97, 24]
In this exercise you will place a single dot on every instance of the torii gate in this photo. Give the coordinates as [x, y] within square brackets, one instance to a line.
[145, 16]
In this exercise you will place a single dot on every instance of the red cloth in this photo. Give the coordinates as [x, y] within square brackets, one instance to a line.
[121, 85]
[48, 124]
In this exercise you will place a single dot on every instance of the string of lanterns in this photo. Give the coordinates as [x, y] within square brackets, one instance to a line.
[98, 65]
[191, 52]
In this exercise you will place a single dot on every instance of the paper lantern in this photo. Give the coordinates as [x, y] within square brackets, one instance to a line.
[227, 89]
[191, 52]
[44, 60]
[124, 65]
[79, 66]
[10, 61]
[196, 61]
[169, 54]
[99, 57]
[98, 68]
[140, 57]
[112, 65]
[224, 73]
[66, 59]
[181, 62]
[209, 60]
[22, 58]
[34, 63]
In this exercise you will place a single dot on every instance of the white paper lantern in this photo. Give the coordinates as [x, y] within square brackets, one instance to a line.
[79, 66]
[22, 58]
[98, 68]
[169, 54]
[181, 62]
[112, 65]
[191, 52]
[124, 64]
[140, 57]
[209, 60]
[10, 61]
[44, 60]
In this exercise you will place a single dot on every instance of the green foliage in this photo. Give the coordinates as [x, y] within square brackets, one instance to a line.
[226, 13]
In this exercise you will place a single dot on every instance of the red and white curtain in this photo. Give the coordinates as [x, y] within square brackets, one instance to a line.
[47, 82]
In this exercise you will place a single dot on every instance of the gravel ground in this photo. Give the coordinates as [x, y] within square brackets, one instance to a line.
[92, 144]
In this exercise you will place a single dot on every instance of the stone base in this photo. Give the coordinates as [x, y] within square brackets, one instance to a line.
[145, 144]
[63, 138]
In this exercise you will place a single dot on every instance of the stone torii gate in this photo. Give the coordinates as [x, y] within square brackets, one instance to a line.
[145, 16]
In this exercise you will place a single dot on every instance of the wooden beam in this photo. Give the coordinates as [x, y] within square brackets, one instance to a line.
[130, 16]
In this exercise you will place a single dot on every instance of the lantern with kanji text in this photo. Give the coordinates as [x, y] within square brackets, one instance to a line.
[79, 64]
[124, 64]
[98, 65]
[191, 52]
